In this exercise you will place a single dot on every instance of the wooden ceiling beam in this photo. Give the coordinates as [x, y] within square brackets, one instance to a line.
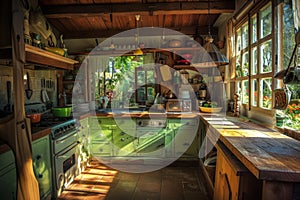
[201, 7]
[200, 30]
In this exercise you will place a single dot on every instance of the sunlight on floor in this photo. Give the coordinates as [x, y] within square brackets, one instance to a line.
[93, 183]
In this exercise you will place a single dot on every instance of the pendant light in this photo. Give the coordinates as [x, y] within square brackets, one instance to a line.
[214, 56]
[138, 51]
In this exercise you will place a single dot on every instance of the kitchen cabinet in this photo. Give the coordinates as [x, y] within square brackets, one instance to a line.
[233, 180]
[42, 165]
[83, 135]
[101, 136]
[124, 137]
[8, 176]
[186, 137]
[151, 143]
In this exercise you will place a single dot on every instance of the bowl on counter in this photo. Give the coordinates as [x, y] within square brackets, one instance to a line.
[210, 109]
[62, 111]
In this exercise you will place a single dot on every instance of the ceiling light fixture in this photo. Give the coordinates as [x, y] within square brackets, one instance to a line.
[137, 51]
[216, 57]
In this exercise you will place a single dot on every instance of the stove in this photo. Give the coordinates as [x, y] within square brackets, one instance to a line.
[64, 153]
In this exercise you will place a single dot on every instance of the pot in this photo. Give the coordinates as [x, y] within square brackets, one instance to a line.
[62, 111]
[34, 118]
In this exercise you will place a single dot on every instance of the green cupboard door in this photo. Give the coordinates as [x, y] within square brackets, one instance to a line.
[42, 165]
[8, 176]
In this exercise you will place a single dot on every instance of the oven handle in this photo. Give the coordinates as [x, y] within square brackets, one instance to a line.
[60, 140]
[62, 155]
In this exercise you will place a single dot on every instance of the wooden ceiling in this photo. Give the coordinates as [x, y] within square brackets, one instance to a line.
[105, 18]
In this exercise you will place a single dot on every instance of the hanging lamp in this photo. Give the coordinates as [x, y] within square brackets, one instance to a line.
[214, 56]
[138, 51]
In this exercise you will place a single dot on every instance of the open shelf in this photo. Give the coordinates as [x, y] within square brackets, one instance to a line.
[43, 57]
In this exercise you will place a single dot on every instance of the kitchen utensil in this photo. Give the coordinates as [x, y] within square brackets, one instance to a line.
[28, 91]
[44, 96]
[62, 111]
[34, 118]
[8, 88]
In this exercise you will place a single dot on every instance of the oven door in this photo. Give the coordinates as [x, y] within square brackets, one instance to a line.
[65, 141]
[66, 167]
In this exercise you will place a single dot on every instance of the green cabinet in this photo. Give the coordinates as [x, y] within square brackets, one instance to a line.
[101, 138]
[8, 176]
[120, 137]
[124, 137]
[185, 139]
[42, 165]
[84, 151]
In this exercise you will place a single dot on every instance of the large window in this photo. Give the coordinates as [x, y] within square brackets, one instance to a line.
[254, 59]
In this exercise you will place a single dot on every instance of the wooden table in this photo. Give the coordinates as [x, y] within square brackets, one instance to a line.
[269, 155]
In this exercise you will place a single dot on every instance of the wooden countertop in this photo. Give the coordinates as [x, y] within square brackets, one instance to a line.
[146, 114]
[36, 133]
[267, 153]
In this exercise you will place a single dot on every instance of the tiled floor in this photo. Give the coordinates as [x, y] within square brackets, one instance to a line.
[175, 182]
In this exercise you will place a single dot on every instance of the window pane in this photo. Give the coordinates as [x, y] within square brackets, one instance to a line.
[245, 66]
[266, 21]
[239, 41]
[254, 61]
[245, 94]
[254, 92]
[266, 93]
[245, 35]
[288, 32]
[254, 29]
[238, 70]
[238, 88]
[266, 57]
[150, 77]
[141, 78]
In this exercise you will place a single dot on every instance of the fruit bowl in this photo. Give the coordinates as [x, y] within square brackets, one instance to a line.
[210, 109]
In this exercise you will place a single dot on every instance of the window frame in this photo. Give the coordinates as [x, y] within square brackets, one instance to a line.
[255, 14]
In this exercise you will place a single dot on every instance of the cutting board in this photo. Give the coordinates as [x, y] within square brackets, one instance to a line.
[165, 73]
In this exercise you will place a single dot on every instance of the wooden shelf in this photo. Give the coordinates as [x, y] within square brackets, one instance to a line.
[40, 56]
[130, 52]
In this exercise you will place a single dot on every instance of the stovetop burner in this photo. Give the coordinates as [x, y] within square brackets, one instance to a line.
[48, 120]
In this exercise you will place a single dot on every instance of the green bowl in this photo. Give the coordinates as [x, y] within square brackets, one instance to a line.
[62, 111]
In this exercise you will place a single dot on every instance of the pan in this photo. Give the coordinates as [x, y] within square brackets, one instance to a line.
[28, 91]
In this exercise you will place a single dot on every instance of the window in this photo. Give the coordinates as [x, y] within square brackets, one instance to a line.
[254, 59]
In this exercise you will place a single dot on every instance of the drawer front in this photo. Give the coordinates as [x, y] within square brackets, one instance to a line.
[101, 148]
[103, 135]
[84, 123]
[104, 123]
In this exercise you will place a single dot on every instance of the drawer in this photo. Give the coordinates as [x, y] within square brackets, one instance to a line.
[101, 148]
[84, 122]
[103, 135]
